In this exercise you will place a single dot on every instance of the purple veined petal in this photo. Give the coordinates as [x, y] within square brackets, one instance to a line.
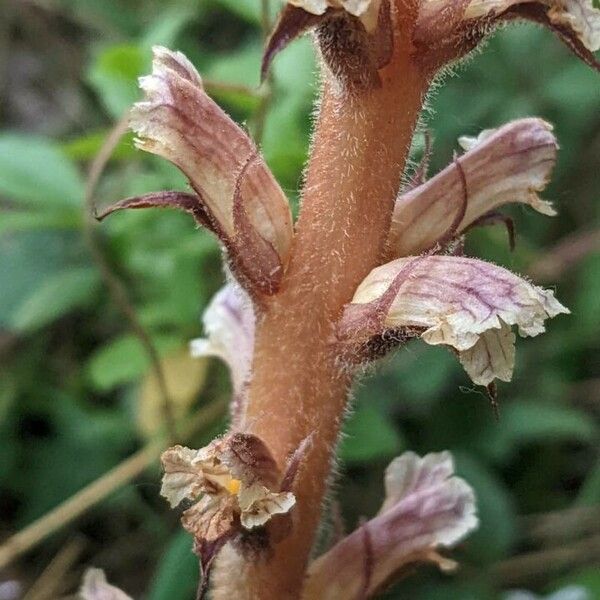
[95, 587]
[229, 326]
[236, 193]
[426, 508]
[509, 164]
[464, 303]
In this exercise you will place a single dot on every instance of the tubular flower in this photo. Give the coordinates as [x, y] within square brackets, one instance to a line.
[446, 30]
[235, 484]
[464, 303]
[235, 194]
[508, 164]
[426, 507]
[229, 324]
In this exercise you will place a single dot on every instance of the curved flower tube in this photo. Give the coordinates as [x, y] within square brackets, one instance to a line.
[426, 507]
[508, 164]
[235, 194]
[464, 303]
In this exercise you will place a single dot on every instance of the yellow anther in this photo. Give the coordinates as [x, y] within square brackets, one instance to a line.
[233, 487]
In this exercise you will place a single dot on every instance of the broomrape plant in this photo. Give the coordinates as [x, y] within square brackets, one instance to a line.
[369, 264]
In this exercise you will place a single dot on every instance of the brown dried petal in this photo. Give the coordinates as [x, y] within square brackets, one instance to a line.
[426, 507]
[179, 122]
[258, 504]
[249, 460]
[212, 518]
[537, 13]
[509, 164]
[578, 15]
[182, 477]
[459, 302]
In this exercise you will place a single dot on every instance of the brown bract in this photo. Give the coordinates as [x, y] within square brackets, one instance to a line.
[235, 194]
[446, 30]
[354, 37]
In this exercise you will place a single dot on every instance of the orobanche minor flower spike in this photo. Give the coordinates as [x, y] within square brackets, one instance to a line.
[370, 264]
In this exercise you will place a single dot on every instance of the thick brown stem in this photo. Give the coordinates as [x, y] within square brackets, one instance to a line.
[358, 156]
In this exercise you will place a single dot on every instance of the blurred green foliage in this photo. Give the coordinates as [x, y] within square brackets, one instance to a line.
[72, 371]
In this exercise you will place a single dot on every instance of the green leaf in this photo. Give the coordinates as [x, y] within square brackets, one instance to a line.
[589, 494]
[58, 295]
[122, 361]
[497, 517]
[34, 171]
[30, 221]
[87, 146]
[177, 572]
[167, 27]
[248, 10]
[84, 444]
[29, 259]
[587, 577]
[242, 66]
[369, 435]
[114, 74]
[524, 423]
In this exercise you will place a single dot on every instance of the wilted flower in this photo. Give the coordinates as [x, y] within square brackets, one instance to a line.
[355, 36]
[235, 484]
[426, 507]
[444, 31]
[465, 304]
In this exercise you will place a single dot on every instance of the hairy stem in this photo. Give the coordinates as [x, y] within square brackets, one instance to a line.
[359, 152]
